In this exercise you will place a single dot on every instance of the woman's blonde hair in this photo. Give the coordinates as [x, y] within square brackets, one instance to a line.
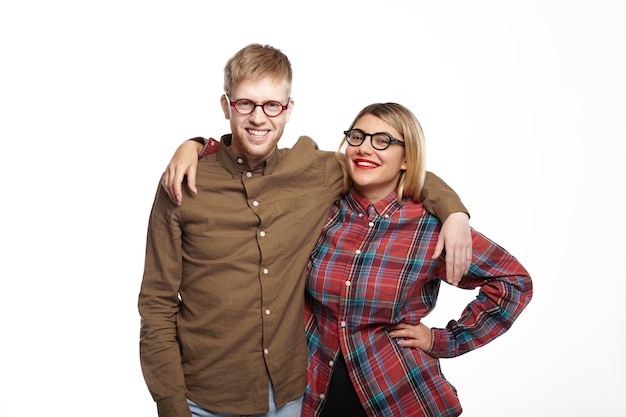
[411, 180]
[256, 61]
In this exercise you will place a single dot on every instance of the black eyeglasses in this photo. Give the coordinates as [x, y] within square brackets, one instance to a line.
[380, 140]
[246, 106]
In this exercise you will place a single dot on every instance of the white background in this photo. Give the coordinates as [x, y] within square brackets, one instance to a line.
[523, 105]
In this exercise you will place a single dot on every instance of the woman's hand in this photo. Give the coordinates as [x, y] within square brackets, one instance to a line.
[183, 163]
[412, 336]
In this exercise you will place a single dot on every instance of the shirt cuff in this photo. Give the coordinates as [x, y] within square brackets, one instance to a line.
[442, 345]
[210, 147]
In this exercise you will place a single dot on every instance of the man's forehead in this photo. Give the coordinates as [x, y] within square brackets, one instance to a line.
[263, 88]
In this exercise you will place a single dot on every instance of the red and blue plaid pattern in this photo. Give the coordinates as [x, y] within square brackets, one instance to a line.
[372, 268]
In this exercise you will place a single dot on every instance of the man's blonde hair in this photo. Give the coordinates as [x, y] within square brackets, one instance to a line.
[254, 62]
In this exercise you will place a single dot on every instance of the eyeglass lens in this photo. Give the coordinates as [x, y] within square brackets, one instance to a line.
[380, 141]
[270, 108]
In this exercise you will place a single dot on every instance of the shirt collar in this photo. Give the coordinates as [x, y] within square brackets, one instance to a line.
[382, 207]
[236, 165]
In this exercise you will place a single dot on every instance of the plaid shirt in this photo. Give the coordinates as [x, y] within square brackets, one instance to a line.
[371, 268]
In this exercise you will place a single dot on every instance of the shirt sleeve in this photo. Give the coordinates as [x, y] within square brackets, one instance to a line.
[158, 307]
[505, 291]
[439, 199]
[210, 146]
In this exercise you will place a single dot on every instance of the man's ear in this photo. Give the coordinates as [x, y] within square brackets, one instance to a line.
[289, 109]
[225, 107]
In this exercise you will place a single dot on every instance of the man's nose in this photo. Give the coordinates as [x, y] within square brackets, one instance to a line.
[258, 114]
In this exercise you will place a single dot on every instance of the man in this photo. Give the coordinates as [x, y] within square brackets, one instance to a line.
[222, 295]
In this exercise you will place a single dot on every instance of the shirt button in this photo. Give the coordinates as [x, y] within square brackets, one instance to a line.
[239, 161]
[267, 311]
[386, 216]
[358, 251]
[371, 224]
[343, 323]
[255, 203]
[322, 396]
[266, 351]
[348, 283]
[331, 363]
[262, 234]
[248, 174]
[266, 271]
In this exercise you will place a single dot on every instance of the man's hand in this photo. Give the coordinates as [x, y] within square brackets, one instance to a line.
[183, 163]
[412, 336]
[456, 237]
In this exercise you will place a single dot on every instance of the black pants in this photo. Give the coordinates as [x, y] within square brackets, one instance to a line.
[342, 400]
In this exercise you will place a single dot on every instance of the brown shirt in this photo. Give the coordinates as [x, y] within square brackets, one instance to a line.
[222, 295]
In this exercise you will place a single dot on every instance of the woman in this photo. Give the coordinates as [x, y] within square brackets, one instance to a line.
[371, 282]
